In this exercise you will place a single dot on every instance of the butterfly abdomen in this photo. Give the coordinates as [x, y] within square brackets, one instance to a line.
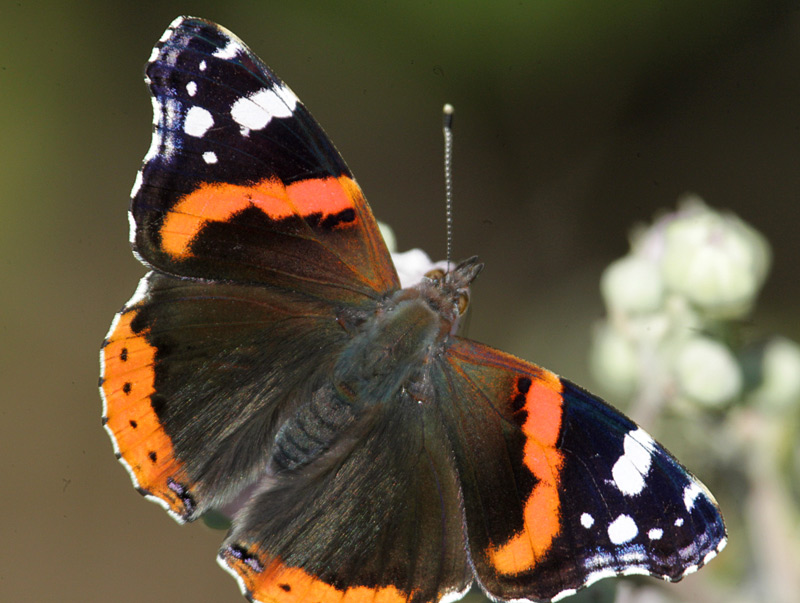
[312, 430]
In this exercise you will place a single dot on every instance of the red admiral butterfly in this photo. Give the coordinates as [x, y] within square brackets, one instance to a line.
[271, 355]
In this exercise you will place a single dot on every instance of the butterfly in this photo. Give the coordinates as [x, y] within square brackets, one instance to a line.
[271, 363]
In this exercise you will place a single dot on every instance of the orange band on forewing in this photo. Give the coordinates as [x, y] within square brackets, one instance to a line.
[327, 196]
[278, 583]
[217, 202]
[541, 512]
[128, 382]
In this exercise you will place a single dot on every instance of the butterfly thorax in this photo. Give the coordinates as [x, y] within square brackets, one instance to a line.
[386, 361]
[391, 349]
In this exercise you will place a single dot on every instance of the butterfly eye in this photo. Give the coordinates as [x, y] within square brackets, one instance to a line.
[462, 301]
[436, 274]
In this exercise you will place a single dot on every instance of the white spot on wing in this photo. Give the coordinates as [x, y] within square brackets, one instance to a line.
[131, 228]
[690, 494]
[191, 88]
[634, 555]
[287, 96]
[202, 65]
[158, 111]
[232, 572]
[587, 521]
[165, 505]
[137, 184]
[177, 22]
[599, 575]
[455, 595]
[679, 522]
[141, 291]
[254, 112]
[154, 54]
[644, 438]
[163, 116]
[623, 529]
[633, 466]
[627, 478]
[197, 122]
[229, 50]
[210, 157]
[166, 35]
[564, 594]
[655, 534]
[626, 555]
[170, 114]
[636, 570]
[597, 560]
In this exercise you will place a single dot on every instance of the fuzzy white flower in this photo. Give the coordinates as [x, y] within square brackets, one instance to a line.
[632, 284]
[411, 265]
[613, 361]
[717, 261]
[780, 369]
[388, 236]
[707, 372]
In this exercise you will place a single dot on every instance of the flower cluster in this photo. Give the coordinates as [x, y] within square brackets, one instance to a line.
[674, 339]
[675, 303]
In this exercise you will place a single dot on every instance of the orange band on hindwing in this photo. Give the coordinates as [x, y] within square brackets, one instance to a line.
[128, 382]
[217, 202]
[541, 400]
[277, 583]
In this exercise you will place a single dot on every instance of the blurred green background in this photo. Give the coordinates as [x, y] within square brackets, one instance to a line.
[574, 120]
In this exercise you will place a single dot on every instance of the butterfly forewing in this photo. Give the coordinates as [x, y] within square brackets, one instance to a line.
[241, 183]
[559, 488]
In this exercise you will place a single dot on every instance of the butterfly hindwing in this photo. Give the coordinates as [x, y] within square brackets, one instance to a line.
[196, 378]
[559, 488]
[377, 519]
[241, 183]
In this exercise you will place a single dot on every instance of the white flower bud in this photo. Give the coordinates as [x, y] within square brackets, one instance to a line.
[780, 370]
[707, 372]
[388, 236]
[412, 265]
[717, 261]
[613, 361]
[632, 285]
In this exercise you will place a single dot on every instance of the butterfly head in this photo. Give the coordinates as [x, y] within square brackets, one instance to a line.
[448, 292]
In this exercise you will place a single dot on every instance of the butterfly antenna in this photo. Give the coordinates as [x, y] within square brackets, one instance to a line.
[447, 112]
